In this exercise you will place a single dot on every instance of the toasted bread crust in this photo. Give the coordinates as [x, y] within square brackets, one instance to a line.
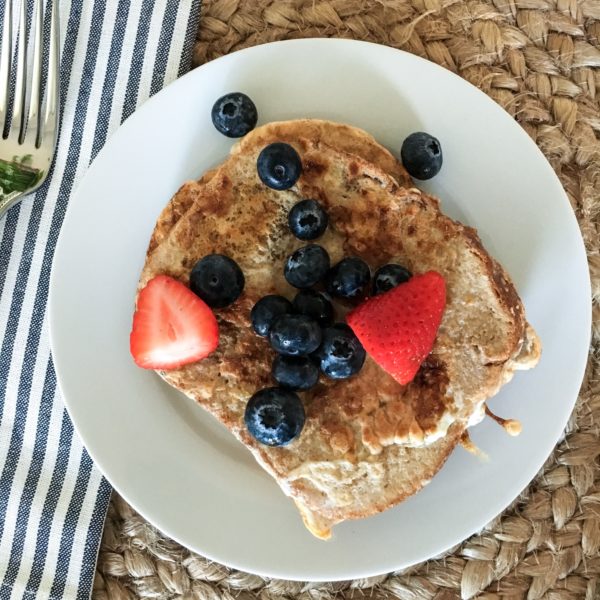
[506, 292]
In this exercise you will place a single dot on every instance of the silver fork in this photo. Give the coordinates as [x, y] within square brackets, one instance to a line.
[28, 132]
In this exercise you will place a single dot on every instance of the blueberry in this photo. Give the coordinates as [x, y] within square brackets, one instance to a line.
[295, 372]
[234, 115]
[274, 416]
[314, 305]
[306, 266]
[279, 166]
[307, 220]
[295, 335]
[341, 354]
[348, 278]
[388, 277]
[217, 279]
[266, 311]
[421, 155]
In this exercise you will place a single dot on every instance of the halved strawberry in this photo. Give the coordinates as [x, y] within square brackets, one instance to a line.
[171, 326]
[398, 328]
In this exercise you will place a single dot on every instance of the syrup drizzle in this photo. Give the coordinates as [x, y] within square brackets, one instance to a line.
[467, 443]
[511, 426]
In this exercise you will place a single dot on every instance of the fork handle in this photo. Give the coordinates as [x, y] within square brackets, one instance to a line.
[7, 201]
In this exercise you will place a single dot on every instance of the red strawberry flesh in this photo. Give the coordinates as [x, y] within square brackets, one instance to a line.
[398, 328]
[171, 326]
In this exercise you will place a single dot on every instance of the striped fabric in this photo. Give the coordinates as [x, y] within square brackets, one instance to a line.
[115, 54]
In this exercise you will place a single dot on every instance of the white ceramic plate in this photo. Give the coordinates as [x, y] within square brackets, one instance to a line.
[172, 461]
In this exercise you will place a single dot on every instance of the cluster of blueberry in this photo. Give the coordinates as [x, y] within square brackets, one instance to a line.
[303, 332]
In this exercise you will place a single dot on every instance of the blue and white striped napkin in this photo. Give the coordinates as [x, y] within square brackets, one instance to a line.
[115, 54]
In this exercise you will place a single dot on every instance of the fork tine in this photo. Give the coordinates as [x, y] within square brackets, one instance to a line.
[21, 65]
[50, 121]
[36, 76]
[5, 55]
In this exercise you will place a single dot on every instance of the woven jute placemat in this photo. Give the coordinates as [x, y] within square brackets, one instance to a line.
[540, 60]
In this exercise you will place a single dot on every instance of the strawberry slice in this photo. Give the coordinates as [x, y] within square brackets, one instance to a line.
[171, 326]
[398, 328]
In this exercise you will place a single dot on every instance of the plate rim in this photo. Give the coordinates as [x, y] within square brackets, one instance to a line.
[147, 107]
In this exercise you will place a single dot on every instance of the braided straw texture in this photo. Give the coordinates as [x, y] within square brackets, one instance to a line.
[540, 60]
